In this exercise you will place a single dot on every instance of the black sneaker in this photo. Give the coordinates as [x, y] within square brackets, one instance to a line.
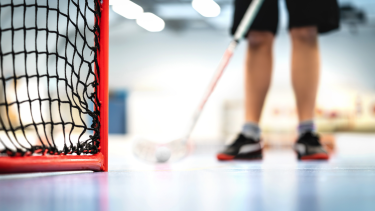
[242, 148]
[308, 147]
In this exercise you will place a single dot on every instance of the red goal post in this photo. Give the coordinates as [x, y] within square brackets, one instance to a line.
[95, 162]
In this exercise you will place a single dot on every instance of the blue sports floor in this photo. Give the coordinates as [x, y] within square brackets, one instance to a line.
[199, 182]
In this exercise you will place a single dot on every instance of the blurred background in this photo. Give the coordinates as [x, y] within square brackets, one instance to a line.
[159, 69]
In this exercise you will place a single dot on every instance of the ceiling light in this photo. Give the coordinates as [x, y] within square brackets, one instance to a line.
[127, 9]
[150, 22]
[207, 8]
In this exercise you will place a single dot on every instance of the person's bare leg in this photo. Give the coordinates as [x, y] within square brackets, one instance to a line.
[305, 70]
[258, 71]
[305, 79]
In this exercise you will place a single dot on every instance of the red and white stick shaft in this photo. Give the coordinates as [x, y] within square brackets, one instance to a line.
[219, 72]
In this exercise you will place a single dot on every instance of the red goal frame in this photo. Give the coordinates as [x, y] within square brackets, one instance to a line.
[96, 162]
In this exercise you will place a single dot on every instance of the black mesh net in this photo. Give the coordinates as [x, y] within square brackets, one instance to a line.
[49, 75]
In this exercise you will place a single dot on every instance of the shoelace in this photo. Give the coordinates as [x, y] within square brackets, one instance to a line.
[239, 143]
[311, 139]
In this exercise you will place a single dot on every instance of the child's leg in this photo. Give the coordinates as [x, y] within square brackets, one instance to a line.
[305, 79]
[305, 70]
[258, 71]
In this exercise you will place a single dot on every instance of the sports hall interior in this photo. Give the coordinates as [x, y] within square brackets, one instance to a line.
[156, 80]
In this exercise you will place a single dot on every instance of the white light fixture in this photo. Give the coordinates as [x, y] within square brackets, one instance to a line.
[207, 8]
[128, 9]
[150, 22]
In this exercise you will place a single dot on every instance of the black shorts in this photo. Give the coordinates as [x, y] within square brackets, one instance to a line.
[321, 13]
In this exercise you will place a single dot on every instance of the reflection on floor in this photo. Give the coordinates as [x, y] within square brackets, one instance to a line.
[199, 182]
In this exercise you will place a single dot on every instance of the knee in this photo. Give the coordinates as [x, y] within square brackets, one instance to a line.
[260, 40]
[307, 35]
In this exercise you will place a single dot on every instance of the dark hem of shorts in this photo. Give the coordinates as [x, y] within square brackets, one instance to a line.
[321, 29]
[232, 32]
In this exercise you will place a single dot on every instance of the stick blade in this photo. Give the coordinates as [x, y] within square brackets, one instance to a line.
[145, 149]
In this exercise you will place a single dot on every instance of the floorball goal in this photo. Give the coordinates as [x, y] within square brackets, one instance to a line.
[53, 85]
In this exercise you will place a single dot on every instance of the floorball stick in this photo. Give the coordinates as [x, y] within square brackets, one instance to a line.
[179, 148]
[245, 23]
